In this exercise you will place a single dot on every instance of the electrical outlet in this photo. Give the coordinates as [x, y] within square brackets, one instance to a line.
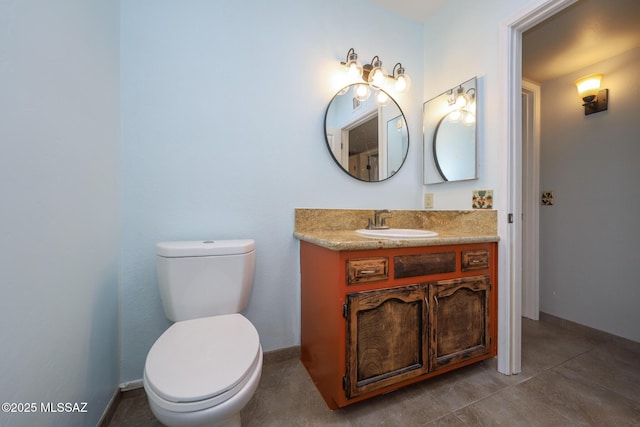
[428, 200]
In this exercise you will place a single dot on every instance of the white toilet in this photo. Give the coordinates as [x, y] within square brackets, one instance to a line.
[205, 368]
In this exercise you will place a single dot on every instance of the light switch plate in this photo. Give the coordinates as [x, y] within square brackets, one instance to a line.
[428, 200]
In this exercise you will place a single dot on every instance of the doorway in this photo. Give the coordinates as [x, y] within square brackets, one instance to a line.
[509, 331]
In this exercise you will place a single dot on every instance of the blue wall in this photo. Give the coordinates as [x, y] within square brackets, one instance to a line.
[59, 187]
[222, 134]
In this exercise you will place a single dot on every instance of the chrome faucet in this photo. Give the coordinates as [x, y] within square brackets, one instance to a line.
[379, 222]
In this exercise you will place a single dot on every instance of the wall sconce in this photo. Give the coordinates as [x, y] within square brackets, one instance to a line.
[374, 74]
[594, 98]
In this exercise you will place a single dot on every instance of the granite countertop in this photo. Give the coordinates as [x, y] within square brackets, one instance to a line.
[348, 240]
[335, 228]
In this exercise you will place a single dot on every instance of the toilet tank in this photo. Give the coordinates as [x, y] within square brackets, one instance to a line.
[205, 278]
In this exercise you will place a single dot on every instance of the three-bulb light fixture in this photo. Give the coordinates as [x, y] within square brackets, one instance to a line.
[374, 77]
[462, 105]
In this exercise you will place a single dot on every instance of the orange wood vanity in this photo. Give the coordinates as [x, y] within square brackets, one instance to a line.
[376, 320]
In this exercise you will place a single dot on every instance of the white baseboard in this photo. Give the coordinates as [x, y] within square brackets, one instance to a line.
[131, 385]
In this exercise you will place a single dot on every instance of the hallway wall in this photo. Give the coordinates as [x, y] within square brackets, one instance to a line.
[589, 249]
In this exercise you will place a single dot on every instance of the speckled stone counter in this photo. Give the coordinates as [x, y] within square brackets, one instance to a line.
[335, 228]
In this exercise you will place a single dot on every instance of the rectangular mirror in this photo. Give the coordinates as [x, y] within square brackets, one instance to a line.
[449, 138]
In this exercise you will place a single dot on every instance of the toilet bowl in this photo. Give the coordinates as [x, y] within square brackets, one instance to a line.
[202, 372]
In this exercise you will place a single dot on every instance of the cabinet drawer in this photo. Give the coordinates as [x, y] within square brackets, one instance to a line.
[475, 260]
[365, 270]
[424, 264]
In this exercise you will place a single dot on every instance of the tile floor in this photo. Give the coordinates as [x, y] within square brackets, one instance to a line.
[571, 376]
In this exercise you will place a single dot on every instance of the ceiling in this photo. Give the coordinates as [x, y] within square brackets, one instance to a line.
[586, 32]
[418, 10]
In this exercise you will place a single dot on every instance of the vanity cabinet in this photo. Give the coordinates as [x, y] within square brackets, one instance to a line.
[376, 320]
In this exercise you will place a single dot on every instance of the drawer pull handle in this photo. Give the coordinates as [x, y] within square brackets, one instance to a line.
[476, 261]
[426, 299]
[368, 271]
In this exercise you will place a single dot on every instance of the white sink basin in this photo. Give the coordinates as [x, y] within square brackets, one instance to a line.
[397, 233]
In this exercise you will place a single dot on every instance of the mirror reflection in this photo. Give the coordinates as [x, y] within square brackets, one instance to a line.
[450, 135]
[366, 133]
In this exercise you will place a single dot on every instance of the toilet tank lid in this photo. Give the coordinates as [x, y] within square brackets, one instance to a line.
[205, 248]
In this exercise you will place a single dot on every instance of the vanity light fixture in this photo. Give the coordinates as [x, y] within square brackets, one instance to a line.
[594, 98]
[463, 105]
[374, 74]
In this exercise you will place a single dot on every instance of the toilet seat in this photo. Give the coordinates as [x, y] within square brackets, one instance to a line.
[199, 363]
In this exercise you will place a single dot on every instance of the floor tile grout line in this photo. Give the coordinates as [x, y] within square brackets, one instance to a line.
[509, 386]
[595, 383]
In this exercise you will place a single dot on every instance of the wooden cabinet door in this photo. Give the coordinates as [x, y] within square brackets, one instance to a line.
[460, 322]
[386, 338]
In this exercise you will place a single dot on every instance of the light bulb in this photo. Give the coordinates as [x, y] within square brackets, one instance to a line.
[376, 78]
[454, 116]
[403, 82]
[589, 86]
[471, 106]
[354, 71]
[461, 101]
[377, 75]
[362, 92]
[382, 98]
[354, 68]
[469, 118]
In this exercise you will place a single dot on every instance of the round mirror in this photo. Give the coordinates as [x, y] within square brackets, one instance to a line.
[454, 146]
[366, 133]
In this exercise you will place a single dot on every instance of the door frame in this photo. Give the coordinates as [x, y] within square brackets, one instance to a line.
[510, 69]
[530, 197]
